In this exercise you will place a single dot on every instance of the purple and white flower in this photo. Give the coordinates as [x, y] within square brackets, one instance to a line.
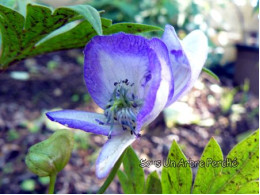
[133, 79]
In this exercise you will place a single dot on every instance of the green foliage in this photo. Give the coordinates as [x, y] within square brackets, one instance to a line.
[43, 30]
[86, 98]
[125, 182]
[207, 173]
[249, 188]
[153, 184]
[12, 135]
[210, 73]
[52, 64]
[245, 88]
[44, 180]
[132, 179]
[51, 155]
[237, 173]
[157, 12]
[81, 140]
[8, 168]
[91, 15]
[75, 98]
[226, 100]
[231, 179]
[28, 185]
[34, 126]
[177, 177]
[243, 135]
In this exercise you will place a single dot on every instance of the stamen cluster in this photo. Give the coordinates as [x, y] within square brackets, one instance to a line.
[123, 107]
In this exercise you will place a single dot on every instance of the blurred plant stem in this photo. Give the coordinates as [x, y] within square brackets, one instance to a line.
[52, 183]
[112, 174]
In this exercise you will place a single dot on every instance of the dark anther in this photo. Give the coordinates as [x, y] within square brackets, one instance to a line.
[124, 128]
[126, 82]
[109, 136]
[99, 122]
[138, 135]
[133, 96]
[134, 105]
[108, 106]
[132, 85]
[115, 118]
[115, 83]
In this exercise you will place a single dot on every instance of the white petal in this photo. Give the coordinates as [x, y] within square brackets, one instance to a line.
[195, 46]
[187, 57]
[180, 64]
[111, 152]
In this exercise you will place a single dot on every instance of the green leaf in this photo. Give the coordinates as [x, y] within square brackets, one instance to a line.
[249, 188]
[245, 169]
[176, 174]
[19, 35]
[125, 183]
[134, 173]
[39, 22]
[11, 26]
[131, 28]
[81, 34]
[210, 73]
[44, 30]
[91, 15]
[63, 29]
[207, 170]
[153, 184]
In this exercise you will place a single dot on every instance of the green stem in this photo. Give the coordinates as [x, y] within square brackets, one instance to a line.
[111, 175]
[52, 183]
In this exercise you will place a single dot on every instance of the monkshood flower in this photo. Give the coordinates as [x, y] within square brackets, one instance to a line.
[133, 79]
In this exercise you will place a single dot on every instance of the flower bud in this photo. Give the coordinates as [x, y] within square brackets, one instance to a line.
[51, 155]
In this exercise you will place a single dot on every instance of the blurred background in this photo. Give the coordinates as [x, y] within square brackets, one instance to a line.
[227, 110]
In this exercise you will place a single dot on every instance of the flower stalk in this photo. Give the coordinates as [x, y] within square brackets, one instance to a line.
[52, 183]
